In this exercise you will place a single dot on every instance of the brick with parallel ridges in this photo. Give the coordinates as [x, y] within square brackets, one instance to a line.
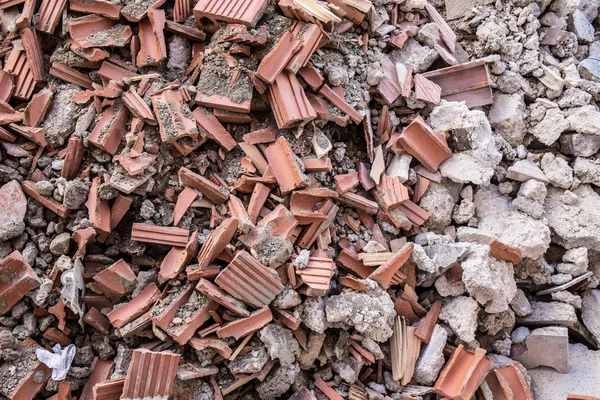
[33, 50]
[289, 102]
[246, 12]
[181, 10]
[17, 65]
[138, 106]
[245, 326]
[171, 236]
[109, 390]
[71, 75]
[288, 174]
[22, 279]
[150, 375]
[318, 272]
[509, 383]
[100, 372]
[50, 13]
[246, 279]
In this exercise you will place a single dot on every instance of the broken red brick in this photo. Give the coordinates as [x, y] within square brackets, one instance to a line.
[425, 328]
[353, 283]
[310, 234]
[390, 193]
[426, 145]
[318, 272]
[310, 35]
[290, 104]
[48, 202]
[508, 382]
[426, 90]
[257, 200]
[416, 215]
[33, 51]
[446, 33]
[245, 326]
[304, 204]
[6, 86]
[150, 375]
[100, 7]
[110, 129]
[37, 107]
[340, 103]
[50, 13]
[181, 10]
[317, 164]
[275, 61]
[214, 129]
[18, 280]
[327, 390]
[83, 237]
[71, 75]
[138, 106]
[216, 194]
[153, 49]
[108, 389]
[360, 202]
[247, 12]
[216, 294]
[288, 173]
[463, 374]
[177, 258]
[211, 343]
[98, 209]
[121, 316]
[98, 321]
[170, 236]
[505, 252]
[346, 182]
[53, 335]
[174, 116]
[17, 65]
[93, 30]
[117, 280]
[384, 273]
[184, 201]
[213, 245]
[266, 135]
[312, 77]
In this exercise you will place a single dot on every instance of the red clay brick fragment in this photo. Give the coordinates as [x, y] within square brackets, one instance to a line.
[98, 321]
[385, 272]
[95, 31]
[216, 294]
[71, 75]
[151, 375]
[184, 201]
[174, 117]
[318, 272]
[245, 326]
[98, 209]
[18, 279]
[217, 194]
[310, 36]
[463, 374]
[33, 51]
[50, 13]
[177, 258]
[138, 106]
[100, 372]
[110, 128]
[100, 7]
[153, 49]
[117, 280]
[509, 383]
[170, 236]
[275, 61]
[17, 65]
[126, 313]
[289, 102]
[37, 107]
[246, 12]
[215, 130]
[288, 173]
[340, 103]
[214, 244]
[505, 252]
[108, 389]
[48, 202]
[426, 145]
[327, 390]
[425, 328]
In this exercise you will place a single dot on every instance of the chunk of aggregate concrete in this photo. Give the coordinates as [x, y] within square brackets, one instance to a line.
[516, 229]
[60, 244]
[12, 215]
[251, 362]
[585, 120]
[579, 144]
[549, 313]
[61, 118]
[575, 262]
[439, 203]
[590, 312]
[567, 297]
[288, 298]
[277, 382]
[348, 369]
[520, 304]
[557, 170]
[524, 170]
[477, 164]
[422, 260]
[446, 289]
[412, 53]
[574, 97]
[530, 198]
[75, 195]
[579, 24]
[431, 360]
[429, 34]
[312, 314]
[544, 347]
[488, 280]
[280, 343]
[370, 312]
[507, 117]
[492, 324]
[460, 313]
[549, 129]
[583, 377]
[574, 225]
[587, 170]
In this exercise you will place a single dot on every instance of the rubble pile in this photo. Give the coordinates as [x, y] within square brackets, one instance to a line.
[299, 199]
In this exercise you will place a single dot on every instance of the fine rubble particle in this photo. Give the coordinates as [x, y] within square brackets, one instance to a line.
[280, 343]
[288, 298]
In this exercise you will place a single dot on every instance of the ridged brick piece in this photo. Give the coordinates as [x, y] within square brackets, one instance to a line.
[310, 234]
[18, 279]
[357, 393]
[110, 129]
[211, 343]
[416, 215]
[170, 236]
[246, 279]
[33, 51]
[214, 244]
[310, 36]
[385, 272]
[341, 103]
[151, 375]
[17, 65]
[100, 372]
[245, 326]
[126, 313]
[318, 272]
[30, 374]
[177, 258]
[97, 320]
[100, 7]
[175, 119]
[327, 390]
[153, 49]
[73, 158]
[288, 173]
[463, 374]
[215, 193]
[275, 60]
[108, 390]
[71, 75]
[426, 145]
[360, 202]
[50, 13]
[182, 10]
[427, 324]
[93, 30]
[426, 90]
[467, 82]
[508, 383]
[446, 33]
[290, 104]
[98, 209]
[48, 202]
[390, 192]
[246, 12]
[214, 129]
[138, 106]
[404, 348]
[257, 200]
[215, 293]
[304, 204]
[183, 330]
[117, 280]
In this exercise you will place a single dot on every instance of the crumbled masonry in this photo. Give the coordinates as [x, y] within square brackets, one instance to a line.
[299, 199]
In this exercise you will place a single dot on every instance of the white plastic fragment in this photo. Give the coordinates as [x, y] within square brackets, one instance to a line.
[59, 361]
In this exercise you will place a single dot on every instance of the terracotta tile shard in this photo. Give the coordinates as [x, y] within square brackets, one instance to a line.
[215, 243]
[390, 88]
[327, 390]
[83, 237]
[357, 393]
[50, 13]
[153, 49]
[33, 51]
[18, 279]
[290, 104]
[48, 202]
[108, 389]
[185, 31]
[505, 252]
[312, 77]
[275, 61]
[245, 326]
[581, 397]
[53, 335]
[100, 372]
[390, 193]
[426, 145]
[425, 328]
[463, 374]
[96, 31]
[177, 258]
[184, 201]
[446, 33]
[317, 10]
[255, 155]
[71, 75]
[27, 372]
[37, 107]
[384, 273]
[117, 280]
[257, 200]
[467, 82]
[353, 283]
[317, 164]
[426, 90]
[415, 214]
[182, 10]
[404, 349]
[314, 230]
[98, 209]
[346, 182]
[508, 383]
[121, 316]
[246, 279]
[138, 106]
[305, 204]
[340, 103]
[174, 116]
[211, 343]
[151, 375]
[169, 236]
[237, 209]
[215, 193]
[285, 318]
[6, 86]
[231, 117]
[26, 16]
[181, 329]
[117, 212]
[317, 273]
[310, 36]
[100, 7]
[216, 294]
[98, 321]
[17, 65]
[214, 129]
[266, 135]
[360, 202]
[246, 12]
[288, 173]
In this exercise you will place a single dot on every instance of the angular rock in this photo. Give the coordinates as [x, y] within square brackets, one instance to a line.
[460, 313]
[548, 130]
[280, 343]
[431, 360]
[580, 26]
[544, 347]
[557, 170]
[585, 120]
[12, 212]
[524, 170]
[278, 382]
[587, 170]
[412, 53]
[590, 312]
[579, 144]
[507, 117]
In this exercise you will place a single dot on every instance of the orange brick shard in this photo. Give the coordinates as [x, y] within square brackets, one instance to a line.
[245, 326]
[175, 119]
[310, 36]
[288, 173]
[505, 252]
[384, 273]
[214, 244]
[463, 374]
[110, 129]
[37, 107]
[427, 324]
[289, 102]
[108, 390]
[73, 158]
[246, 279]
[153, 49]
[215, 293]
[17, 65]
[390, 193]
[214, 129]
[508, 383]
[340, 103]
[426, 145]
[138, 106]
[275, 61]
[126, 313]
[170, 236]
[327, 390]
[215, 193]
[184, 201]
[98, 321]
[151, 375]
[33, 51]
[246, 12]
[50, 13]
[71, 75]
[16, 280]
[100, 7]
[177, 258]
[426, 90]
[416, 215]
[48, 202]
[446, 33]
[100, 372]
[181, 10]
[317, 273]
[93, 30]
[98, 209]
[117, 280]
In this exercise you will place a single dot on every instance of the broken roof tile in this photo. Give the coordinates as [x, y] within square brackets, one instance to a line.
[126, 313]
[138, 106]
[33, 51]
[341, 103]
[48, 202]
[174, 116]
[181, 10]
[217, 194]
[304, 204]
[184, 201]
[327, 390]
[27, 373]
[108, 389]
[467, 82]
[151, 375]
[312, 77]
[50, 13]
[360, 202]
[390, 193]
[177, 258]
[153, 49]
[216, 294]
[98, 209]
[246, 12]
[290, 104]
[117, 280]
[213, 245]
[100, 372]
[346, 182]
[266, 135]
[389, 88]
[211, 343]
[288, 173]
[275, 61]
[71, 75]
[463, 374]
[37, 107]
[98, 321]
[166, 235]
[384, 273]
[6, 86]
[110, 129]
[24, 83]
[214, 129]
[18, 280]
[317, 164]
[509, 383]
[426, 90]
[427, 324]
[101, 7]
[446, 33]
[245, 326]
[96, 31]
[426, 145]
[246, 279]
[318, 272]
